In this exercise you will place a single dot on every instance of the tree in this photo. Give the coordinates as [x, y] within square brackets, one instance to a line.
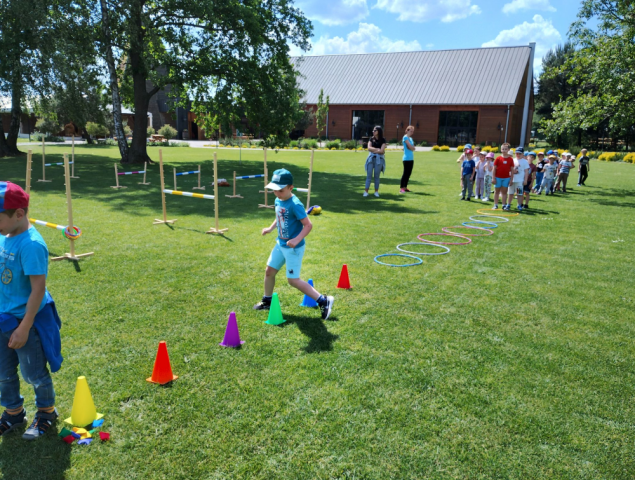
[49, 125]
[96, 130]
[224, 56]
[321, 113]
[604, 67]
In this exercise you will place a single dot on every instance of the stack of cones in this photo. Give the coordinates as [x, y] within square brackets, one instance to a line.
[232, 336]
[275, 314]
[344, 281]
[308, 301]
[162, 372]
[84, 412]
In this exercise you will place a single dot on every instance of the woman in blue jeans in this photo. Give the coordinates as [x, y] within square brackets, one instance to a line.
[375, 162]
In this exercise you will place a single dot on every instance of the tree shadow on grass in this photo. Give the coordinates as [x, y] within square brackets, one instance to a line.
[320, 339]
[333, 191]
[610, 197]
[48, 457]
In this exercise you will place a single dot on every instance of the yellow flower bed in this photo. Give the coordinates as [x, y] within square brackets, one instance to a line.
[436, 148]
[444, 148]
[629, 158]
[608, 156]
[460, 148]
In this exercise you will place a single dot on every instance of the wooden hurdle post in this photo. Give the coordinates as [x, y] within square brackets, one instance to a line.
[235, 195]
[117, 179]
[266, 204]
[175, 187]
[29, 160]
[145, 171]
[69, 206]
[216, 230]
[73, 157]
[43, 179]
[308, 195]
[199, 180]
[165, 214]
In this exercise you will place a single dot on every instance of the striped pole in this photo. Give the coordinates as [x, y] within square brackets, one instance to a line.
[305, 190]
[266, 176]
[188, 194]
[245, 177]
[47, 224]
[186, 173]
[131, 173]
[55, 164]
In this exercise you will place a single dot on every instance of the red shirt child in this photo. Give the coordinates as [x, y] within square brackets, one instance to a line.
[503, 166]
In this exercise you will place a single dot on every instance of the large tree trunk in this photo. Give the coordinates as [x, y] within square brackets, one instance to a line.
[114, 85]
[9, 146]
[4, 148]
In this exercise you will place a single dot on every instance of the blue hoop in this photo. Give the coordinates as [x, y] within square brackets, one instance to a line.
[398, 255]
[491, 224]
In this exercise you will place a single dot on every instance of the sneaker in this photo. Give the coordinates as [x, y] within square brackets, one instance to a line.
[406, 190]
[468, 199]
[526, 205]
[263, 305]
[485, 199]
[365, 194]
[402, 190]
[495, 207]
[327, 307]
[9, 422]
[377, 194]
[579, 185]
[463, 198]
[40, 425]
[520, 208]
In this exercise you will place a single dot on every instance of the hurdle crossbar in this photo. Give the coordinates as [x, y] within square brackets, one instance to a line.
[48, 224]
[117, 173]
[193, 172]
[242, 177]
[307, 190]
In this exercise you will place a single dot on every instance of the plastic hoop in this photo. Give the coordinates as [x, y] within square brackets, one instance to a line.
[398, 255]
[72, 232]
[455, 235]
[501, 214]
[447, 249]
[501, 219]
[491, 232]
[480, 224]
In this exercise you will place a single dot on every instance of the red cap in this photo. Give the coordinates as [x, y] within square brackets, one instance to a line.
[470, 151]
[12, 196]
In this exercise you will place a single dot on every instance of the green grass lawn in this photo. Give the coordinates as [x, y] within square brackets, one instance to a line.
[511, 357]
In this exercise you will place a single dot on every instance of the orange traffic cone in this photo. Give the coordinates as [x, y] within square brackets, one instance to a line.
[162, 372]
[344, 281]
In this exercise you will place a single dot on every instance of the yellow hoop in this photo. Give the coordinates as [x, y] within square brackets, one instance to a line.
[496, 213]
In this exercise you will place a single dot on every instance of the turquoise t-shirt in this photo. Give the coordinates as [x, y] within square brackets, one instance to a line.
[288, 215]
[20, 256]
[407, 153]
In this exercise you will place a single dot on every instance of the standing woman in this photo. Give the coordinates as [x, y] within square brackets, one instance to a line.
[375, 163]
[408, 158]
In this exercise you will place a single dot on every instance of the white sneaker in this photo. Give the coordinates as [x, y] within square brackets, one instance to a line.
[485, 199]
[365, 194]
[377, 194]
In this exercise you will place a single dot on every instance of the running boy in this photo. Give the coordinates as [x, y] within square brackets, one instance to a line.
[29, 324]
[503, 166]
[293, 225]
[584, 167]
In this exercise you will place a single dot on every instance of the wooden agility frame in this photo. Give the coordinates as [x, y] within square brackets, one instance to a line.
[199, 187]
[117, 173]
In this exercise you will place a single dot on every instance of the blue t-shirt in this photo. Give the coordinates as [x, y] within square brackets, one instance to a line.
[407, 153]
[20, 256]
[468, 167]
[288, 215]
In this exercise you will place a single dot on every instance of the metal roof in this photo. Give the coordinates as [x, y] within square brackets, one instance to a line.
[479, 76]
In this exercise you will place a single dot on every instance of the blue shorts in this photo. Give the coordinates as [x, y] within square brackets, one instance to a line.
[291, 256]
[502, 182]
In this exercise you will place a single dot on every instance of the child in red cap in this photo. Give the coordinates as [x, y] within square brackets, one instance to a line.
[29, 324]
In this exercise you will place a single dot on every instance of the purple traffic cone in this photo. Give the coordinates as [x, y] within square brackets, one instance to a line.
[232, 337]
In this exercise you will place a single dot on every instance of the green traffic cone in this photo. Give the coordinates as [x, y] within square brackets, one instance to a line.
[275, 314]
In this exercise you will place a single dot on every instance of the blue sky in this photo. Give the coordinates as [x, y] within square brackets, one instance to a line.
[366, 26]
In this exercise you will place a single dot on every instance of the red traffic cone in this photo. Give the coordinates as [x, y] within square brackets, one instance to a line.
[162, 372]
[344, 281]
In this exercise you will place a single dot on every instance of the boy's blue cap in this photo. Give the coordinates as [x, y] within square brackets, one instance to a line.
[533, 154]
[550, 152]
[280, 179]
[520, 150]
[467, 145]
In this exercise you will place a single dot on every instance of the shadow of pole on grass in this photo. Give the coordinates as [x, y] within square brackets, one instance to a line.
[320, 339]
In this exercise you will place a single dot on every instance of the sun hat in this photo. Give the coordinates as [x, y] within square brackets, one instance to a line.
[12, 196]
[481, 153]
[281, 178]
[552, 157]
[467, 146]
[490, 155]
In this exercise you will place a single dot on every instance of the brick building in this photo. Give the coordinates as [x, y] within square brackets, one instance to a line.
[452, 97]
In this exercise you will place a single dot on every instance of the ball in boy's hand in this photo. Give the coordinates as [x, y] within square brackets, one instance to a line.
[314, 210]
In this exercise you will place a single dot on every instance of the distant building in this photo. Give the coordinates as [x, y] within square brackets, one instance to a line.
[452, 97]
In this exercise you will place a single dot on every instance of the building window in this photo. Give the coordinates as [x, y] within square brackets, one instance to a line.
[457, 128]
[364, 121]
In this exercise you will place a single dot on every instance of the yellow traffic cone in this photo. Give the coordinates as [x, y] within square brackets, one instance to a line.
[84, 411]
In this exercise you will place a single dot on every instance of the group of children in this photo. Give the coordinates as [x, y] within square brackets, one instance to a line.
[29, 323]
[515, 176]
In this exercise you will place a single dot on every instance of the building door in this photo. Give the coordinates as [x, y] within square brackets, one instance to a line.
[457, 128]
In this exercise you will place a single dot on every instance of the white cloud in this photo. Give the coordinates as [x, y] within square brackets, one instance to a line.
[336, 12]
[518, 5]
[366, 39]
[540, 31]
[426, 10]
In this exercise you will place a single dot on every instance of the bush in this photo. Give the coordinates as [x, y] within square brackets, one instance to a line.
[350, 144]
[334, 144]
[609, 157]
[436, 148]
[423, 143]
[629, 158]
[312, 144]
[96, 130]
[486, 149]
[108, 141]
[127, 130]
[166, 144]
[575, 151]
[49, 126]
[168, 132]
[37, 136]
[460, 148]
[293, 144]
[444, 148]
[150, 131]
[494, 150]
